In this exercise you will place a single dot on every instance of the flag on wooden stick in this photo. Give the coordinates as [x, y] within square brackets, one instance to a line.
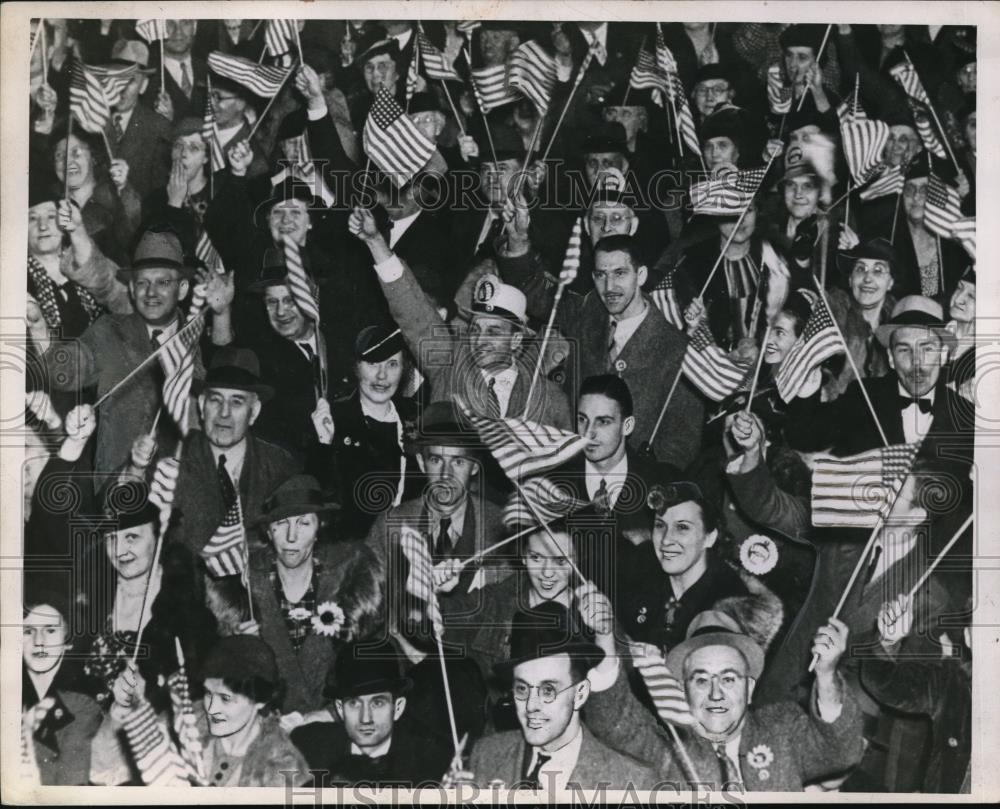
[393, 141]
[178, 368]
[709, 368]
[490, 85]
[299, 284]
[225, 554]
[819, 341]
[262, 80]
[151, 30]
[434, 62]
[420, 579]
[532, 71]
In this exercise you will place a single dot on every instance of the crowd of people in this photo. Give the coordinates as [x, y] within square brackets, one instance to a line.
[300, 290]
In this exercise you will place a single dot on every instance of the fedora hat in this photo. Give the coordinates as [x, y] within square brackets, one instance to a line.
[545, 631]
[287, 190]
[373, 670]
[158, 248]
[915, 310]
[132, 52]
[235, 369]
[715, 628]
[879, 249]
[273, 271]
[300, 494]
[439, 425]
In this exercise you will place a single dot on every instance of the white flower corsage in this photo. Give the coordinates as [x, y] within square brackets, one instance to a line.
[758, 554]
[760, 758]
[328, 620]
[299, 614]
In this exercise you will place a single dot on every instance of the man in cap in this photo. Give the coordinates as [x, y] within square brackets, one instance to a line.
[185, 74]
[225, 463]
[374, 742]
[713, 89]
[550, 671]
[138, 134]
[111, 348]
[733, 744]
[488, 369]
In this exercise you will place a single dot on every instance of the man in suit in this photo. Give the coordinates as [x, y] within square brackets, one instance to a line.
[225, 462]
[138, 135]
[551, 663]
[184, 74]
[374, 742]
[488, 370]
[616, 329]
[114, 345]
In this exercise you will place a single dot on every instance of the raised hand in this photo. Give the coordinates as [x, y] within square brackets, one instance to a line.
[68, 216]
[694, 314]
[362, 224]
[746, 431]
[81, 422]
[829, 644]
[143, 450]
[177, 186]
[119, 172]
[322, 420]
[446, 575]
[307, 82]
[164, 106]
[467, 147]
[848, 239]
[595, 609]
[240, 157]
[895, 620]
[220, 289]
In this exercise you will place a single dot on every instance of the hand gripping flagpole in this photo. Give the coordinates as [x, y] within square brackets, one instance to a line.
[479, 105]
[938, 559]
[807, 89]
[277, 92]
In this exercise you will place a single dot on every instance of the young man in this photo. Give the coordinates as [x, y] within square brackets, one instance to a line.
[185, 89]
[552, 657]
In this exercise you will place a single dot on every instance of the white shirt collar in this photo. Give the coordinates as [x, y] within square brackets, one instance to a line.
[399, 226]
[166, 332]
[916, 423]
[374, 752]
[601, 32]
[125, 117]
[311, 340]
[503, 386]
[555, 773]
[615, 478]
[457, 520]
[907, 395]
[390, 417]
[404, 38]
[235, 456]
[627, 326]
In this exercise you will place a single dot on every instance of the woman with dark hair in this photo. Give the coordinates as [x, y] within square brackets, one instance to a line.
[370, 424]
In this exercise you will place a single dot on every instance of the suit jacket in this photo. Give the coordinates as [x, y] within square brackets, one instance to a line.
[427, 249]
[111, 348]
[145, 146]
[350, 576]
[198, 504]
[62, 741]
[781, 745]
[499, 757]
[446, 360]
[184, 106]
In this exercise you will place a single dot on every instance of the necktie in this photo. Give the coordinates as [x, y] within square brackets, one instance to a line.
[226, 484]
[612, 345]
[486, 245]
[119, 129]
[601, 497]
[600, 52]
[185, 80]
[727, 769]
[493, 401]
[873, 564]
[924, 404]
[442, 544]
[314, 363]
[531, 777]
[154, 338]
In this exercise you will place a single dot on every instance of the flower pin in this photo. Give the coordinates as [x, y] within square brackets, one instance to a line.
[328, 620]
[299, 614]
[620, 366]
[758, 554]
[760, 758]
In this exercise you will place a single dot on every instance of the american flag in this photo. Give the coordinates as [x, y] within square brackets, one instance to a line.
[393, 142]
[819, 341]
[684, 118]
[434, 62]
[779, 97]
[164, 487]
[467, 26]
[908, 79]
[205, 252]
[890, 182]
[225, 554]
[262, 80]
[420, 580]
[848, 112]
[534, 73]
[667, 694]
[665, 60]
[299, 284]
[925, 128]
[412, 76]
[863, 142]
[524, 447]
[490, 84]
[856, 490]
[571, 261]
[178, 368]
[964, 230]
[278, 38]
[727, 195]
[646, 76]
[709, 368]
[210, 134]
[151, 30]
[91, 98]
[185, 719]
[665, 299]
[157, 758]
[550, 500]
[942, 207]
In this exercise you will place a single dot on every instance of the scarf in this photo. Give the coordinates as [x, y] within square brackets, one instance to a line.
[45, 294]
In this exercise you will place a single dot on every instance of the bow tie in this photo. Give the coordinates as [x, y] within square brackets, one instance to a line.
[924, 404]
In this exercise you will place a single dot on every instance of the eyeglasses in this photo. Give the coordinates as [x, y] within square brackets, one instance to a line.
[704, 90]
[728, 681]
[616, 219]
[547, 692]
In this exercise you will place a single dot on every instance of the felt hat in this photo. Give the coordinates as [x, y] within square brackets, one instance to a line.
[300, 494]
[288, 189]
[878, 249]
[609, 136]
[439, 424]
[366, 669]
[159, 247]
[545, 631]
[424, 102]
[378, 343]
[727, 122]
[507, 144]
[803, 36]
[240, 657]
[127, 504]
[712, 72]
[132, 52]
[186, 126]
[293, 124]
[715, 628]
[235, 369]
[915, 310]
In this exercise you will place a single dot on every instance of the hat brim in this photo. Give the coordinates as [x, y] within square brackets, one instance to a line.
[744, 644]
[264, 392]
[579, 649]
[471, 313]
[394, 685]
[125, 274]
[292, 510]
[884, 332]
[146, 71]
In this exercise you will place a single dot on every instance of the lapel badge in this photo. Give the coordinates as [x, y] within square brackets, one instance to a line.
[758, 554]
[760, 757]
[642, 616]
[620, 366]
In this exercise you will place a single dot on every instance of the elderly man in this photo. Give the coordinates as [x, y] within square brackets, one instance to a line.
[488, 370]
[114, 346]
[550, 670]
[733, 744]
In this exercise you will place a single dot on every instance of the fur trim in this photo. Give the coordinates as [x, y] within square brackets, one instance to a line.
[760, 613]
[226, 599]
[360, 594]
[271, 753]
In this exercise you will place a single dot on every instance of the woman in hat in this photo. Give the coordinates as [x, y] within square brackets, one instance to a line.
[375, 469]
[869, 272]
[310, 595]
[58, 719]
[961, 369]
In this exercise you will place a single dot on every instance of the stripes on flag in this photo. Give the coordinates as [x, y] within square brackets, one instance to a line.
[90, 99]
[278, 37]
[709, 368]
[225, 554]
[646, 75]
[435, 64]
[151, 30]
[857, 490]
[779, 97]
[210, 134]
[667, 694]
[863, 142]
[393, 142]
[185, 721]
[571, 261]
[964, 231]
[490, 85]
[926, 130]
[665, 61]
[412, 76]
[524, 447]
[532, 71]
[420, 580]
[164, 487]
[262, 80]
[665, 299]
[848, 111]
[158, 761]
[942, 207]
[906, 75]
[819, 341]
[206, 253]
[727, 195]
[685, 119]
[550, 500]
[177, 359]
[299, 284]
[889, 182]
[467, 26]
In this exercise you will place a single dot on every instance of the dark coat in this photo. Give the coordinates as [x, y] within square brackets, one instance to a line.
[62, 741]
[145, 146]
[868, 353]
[184, 106]
[427, 249]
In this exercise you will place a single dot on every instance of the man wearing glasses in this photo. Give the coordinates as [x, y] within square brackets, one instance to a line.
[553, 659]
[713, 89]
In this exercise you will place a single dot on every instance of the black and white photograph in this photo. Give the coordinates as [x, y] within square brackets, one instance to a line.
[498, 401]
